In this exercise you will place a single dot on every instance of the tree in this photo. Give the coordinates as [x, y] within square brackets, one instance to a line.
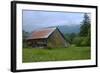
[85, 31]
[25, 35]
[69, 37]
[85, 26]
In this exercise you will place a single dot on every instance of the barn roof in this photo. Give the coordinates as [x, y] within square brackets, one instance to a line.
[41, 33]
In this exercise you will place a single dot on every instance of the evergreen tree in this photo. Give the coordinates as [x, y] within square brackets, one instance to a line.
[85, 31]
[85, 26]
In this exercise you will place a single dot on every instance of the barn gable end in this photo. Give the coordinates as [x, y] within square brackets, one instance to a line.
[56, 40]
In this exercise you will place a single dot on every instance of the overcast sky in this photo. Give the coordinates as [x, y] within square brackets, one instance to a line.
[38, 19]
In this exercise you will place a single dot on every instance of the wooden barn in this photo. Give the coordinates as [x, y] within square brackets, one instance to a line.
[47, 38]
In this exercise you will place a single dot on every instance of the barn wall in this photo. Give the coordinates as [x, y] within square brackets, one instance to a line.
[56, 40]
[38, 43]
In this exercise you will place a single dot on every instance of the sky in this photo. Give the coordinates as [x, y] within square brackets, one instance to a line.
[33, 20]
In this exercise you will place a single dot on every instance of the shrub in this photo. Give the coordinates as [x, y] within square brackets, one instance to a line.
[82, 41]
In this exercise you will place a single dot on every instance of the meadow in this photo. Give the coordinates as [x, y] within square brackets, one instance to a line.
[55, 54]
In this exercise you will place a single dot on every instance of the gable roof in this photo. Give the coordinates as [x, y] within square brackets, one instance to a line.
[42, 33]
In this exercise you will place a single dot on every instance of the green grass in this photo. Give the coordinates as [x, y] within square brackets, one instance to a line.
[55, 54]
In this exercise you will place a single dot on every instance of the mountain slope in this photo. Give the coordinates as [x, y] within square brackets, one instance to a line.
[69, 29]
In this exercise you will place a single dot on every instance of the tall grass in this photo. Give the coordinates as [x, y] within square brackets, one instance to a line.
[55, 54]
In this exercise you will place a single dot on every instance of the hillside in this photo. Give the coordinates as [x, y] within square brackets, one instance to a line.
[69, 29]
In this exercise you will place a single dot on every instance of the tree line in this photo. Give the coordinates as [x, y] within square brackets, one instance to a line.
[83, 38]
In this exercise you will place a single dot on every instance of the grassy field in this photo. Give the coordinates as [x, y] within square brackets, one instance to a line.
[56, 54]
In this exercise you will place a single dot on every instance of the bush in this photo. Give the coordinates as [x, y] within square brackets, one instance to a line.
[77, 41]
[82, 41]
[85, 42]
[25, 45]
[49, 47]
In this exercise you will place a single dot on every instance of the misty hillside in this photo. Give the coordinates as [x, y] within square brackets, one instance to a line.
[65, 29]
[69, 29]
